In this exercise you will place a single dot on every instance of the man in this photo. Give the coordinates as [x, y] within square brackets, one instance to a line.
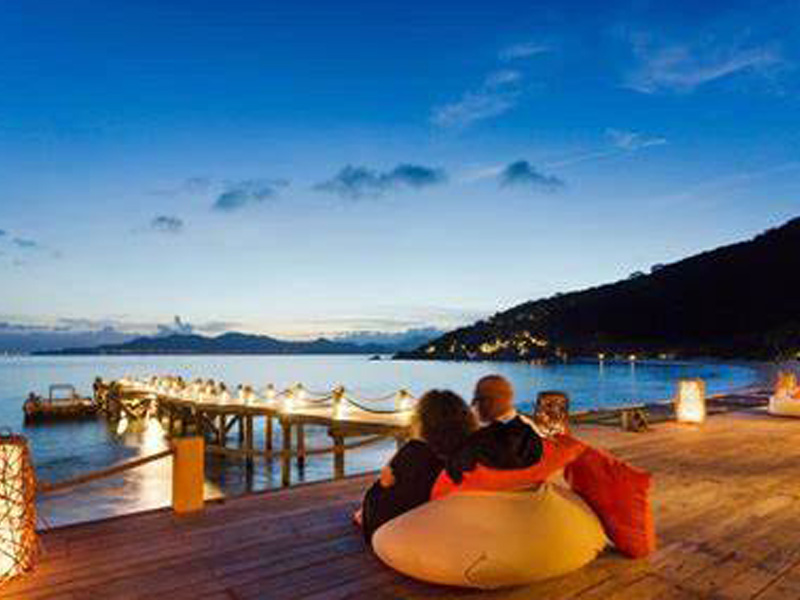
[506, 440]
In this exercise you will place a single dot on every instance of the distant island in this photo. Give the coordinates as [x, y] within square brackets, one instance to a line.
[738, 301]
[227, 343]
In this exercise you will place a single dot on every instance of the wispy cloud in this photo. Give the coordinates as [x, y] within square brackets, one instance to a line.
[683, 67]
[498, 94]
[362, 182]
[631, 141]
[474, 107]
[25, 243]
[189, 186]
[167, 224]
[239, 194]
[502, 77]
[523, 50]
[523, 174]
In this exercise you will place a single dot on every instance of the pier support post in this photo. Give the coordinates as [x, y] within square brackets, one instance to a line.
[188, 473]
[247, 423]
[338, 456]
[267, 434]
[286, 455]
[301, 446]
[222, 431]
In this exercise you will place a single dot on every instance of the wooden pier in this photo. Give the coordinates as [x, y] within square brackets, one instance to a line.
[349, 423]
[726, 499]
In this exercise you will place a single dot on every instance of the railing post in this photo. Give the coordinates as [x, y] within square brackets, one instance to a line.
[188, 474]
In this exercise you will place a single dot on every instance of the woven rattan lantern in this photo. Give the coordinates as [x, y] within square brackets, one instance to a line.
[18, 541]
[690, 403]
[786, 385]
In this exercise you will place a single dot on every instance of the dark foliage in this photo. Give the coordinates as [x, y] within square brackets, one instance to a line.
[741, 300]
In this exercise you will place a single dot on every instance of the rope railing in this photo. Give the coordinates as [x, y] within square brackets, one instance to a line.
[46, 488]
[289, 399]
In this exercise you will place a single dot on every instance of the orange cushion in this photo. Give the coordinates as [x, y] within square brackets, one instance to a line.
[620, 495]
[557, 452]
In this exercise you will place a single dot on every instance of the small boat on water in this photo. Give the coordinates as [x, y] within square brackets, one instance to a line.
[62, 403]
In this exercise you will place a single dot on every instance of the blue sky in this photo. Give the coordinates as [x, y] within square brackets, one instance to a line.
[325, 167]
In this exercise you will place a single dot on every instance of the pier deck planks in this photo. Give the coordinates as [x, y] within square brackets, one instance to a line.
[727, 502]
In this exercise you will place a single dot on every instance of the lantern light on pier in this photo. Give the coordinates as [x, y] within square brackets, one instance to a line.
[339, 403]
[405, 401]
[690, 403]
[269, 393]
[18, 541]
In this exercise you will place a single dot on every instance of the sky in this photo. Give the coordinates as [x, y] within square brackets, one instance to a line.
[311, 168]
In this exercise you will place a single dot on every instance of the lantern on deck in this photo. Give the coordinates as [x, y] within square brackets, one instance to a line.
[338, 402]
[786, 385]
[690, 403]
[18, 541]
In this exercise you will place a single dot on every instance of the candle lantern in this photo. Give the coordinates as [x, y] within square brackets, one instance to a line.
[690, 403]
[405, 401]
[18, 541]
[786, 385]
[552, 413]
[337, 399]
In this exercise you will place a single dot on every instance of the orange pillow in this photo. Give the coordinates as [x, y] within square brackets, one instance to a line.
[557, 452]
[620, 495]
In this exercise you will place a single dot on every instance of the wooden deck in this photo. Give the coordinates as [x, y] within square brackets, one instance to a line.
[727, 502]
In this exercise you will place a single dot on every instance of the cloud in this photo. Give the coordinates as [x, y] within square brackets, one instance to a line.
[630, 141]
[191, 185]
[25, 244]
[524, 50]
[252, 191]
[502, 77]
[522, 173]
[2, 232]
[167, 224]
[362, 182]
[681, 68]
[473, 107]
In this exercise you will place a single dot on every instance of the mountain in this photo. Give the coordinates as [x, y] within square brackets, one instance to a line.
[394, 341]
[228, 343]
[741, 300]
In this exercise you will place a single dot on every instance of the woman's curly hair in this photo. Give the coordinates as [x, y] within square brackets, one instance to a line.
[444, 421]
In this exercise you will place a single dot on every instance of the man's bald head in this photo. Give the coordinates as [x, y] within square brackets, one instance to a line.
[494, 397]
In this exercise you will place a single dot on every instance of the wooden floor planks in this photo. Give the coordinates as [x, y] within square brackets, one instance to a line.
[727, 503]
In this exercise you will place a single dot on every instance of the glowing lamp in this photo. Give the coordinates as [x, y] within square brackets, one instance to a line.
[786, 385]
[339, 407]
[18, 541]
[690, 403]
[300, 392]
[269, 393]
[288, 403]
[405, 401]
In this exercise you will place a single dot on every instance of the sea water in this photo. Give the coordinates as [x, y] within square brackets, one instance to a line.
[66, 449]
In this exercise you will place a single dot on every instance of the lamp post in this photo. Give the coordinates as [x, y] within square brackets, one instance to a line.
[690, 403]
[18, 541]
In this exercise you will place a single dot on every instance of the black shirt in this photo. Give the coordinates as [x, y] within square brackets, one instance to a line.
[510, 445]
[416, 468]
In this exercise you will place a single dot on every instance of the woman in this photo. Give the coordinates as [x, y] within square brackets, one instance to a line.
[442, 421]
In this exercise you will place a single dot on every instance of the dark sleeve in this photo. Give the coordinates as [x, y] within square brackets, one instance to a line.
[415, 469]
[512, 445]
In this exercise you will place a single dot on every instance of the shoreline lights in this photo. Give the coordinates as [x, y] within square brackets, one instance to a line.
[18, 540]
[690, 402]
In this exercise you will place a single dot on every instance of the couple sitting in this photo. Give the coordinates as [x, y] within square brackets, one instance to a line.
[449, 436]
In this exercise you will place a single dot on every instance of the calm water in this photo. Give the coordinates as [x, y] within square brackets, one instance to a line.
[66, 449]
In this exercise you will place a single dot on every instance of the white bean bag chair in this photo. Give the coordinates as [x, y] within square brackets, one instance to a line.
[784, 405]
[492, 539]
